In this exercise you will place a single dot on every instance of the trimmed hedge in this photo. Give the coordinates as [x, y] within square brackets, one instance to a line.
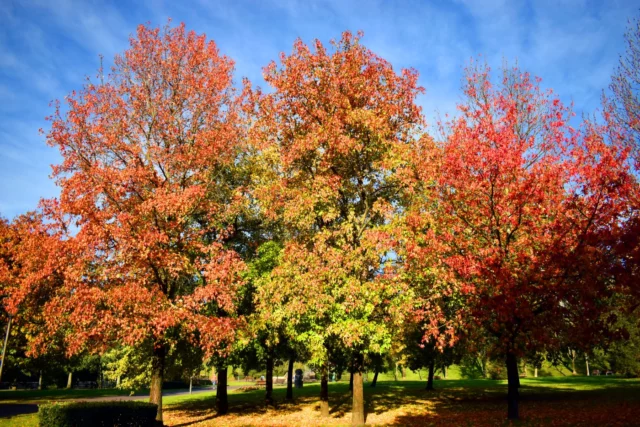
[115, 413]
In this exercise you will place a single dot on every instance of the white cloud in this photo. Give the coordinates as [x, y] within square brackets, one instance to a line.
[47, 47]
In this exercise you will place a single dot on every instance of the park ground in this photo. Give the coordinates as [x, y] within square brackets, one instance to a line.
[558, 401]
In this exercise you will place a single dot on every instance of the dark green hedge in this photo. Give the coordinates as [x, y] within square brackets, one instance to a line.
[115, 413]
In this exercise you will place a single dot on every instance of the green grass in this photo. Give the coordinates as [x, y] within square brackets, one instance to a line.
[543, 401]
[453, 373]
[582, 383]
[27, 420]
[552, 385]
[453, 398]
[548, 385]
[457, 398]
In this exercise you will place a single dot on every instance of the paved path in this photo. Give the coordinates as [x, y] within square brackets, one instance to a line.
[165, 393]
[31, 406]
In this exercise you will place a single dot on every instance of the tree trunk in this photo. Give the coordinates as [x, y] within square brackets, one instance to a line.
[375, 378]
[357, 412]
[432, 367]
[222, 400]
[324, 392]
[395, 373]
[403, 370]
[69, 380]
[290, 379]
[357, 416]
[586, 359]
[118, 382]
[40, 381]
[513, 394]
[269, 394]
[157, 377]
[351, 382]
[4, 347]
[190, 384]
[535, 372]
[101, 376]
[444, 371]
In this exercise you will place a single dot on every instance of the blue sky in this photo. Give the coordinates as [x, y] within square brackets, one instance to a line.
[48, 47]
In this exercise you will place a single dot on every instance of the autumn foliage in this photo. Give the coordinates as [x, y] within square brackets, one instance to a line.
[520, 207]
[146, 151]
[335, 129]
[33, 260]
[524, 202]
[511, 225]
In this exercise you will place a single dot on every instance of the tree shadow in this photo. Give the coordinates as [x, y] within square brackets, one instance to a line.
[248, 403]
[482, 403]
[13, 409]
[614, 405]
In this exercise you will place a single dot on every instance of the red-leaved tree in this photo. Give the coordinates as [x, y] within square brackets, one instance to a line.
[520, 205]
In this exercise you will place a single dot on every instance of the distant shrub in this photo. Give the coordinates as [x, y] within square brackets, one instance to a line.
[202, 382]
[471, 368]
[496, 372]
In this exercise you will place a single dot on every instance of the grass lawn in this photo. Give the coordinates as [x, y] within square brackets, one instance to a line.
[28, 420]
[583, 401]
[14, 396]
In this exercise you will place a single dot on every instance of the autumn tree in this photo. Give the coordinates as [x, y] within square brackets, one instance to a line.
[621, 111]
[147, 153]
[335, 128]
[33, 255]
[435, 304]
[273, 336]
[522, 202]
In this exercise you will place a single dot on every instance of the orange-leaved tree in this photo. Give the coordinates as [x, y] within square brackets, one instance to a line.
[33, 256]
[148, 155]
[335, 131]
[522, 203]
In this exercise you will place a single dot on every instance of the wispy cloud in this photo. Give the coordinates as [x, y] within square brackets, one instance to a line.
[48, 47]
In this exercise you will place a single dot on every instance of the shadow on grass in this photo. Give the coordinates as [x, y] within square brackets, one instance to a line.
[251, 403]
[541, 402]
[454, 402]
[11, 410]
[241, 403]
